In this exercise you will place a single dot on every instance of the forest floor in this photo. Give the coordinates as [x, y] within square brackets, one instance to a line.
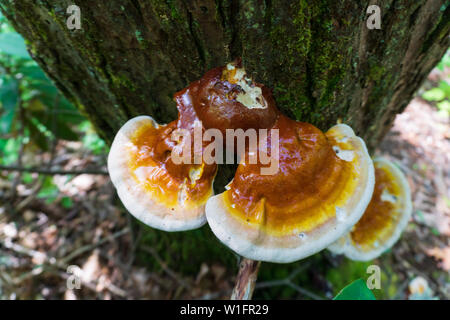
[55, 226]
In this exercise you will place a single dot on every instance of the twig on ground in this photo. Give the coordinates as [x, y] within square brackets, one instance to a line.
[92, 246]
[53, 172]
[135, 237]
[215, 295]
[19, 162]
[34, 191]
[246, 279]
[304, 292]
[8, 244]
[288, 281]
[49, 263]
[92, 285]
[63, 261]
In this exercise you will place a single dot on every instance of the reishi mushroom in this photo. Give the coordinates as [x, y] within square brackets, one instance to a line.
[314, 199]
[385, 218]
[227, 98]
[321, 189]
[160, 192]
[152, 186]
[156, 191]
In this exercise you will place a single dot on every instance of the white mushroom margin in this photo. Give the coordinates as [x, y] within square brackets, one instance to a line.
[132, 194]
[345, 246]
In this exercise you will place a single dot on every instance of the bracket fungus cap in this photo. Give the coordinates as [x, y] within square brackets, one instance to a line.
[227, 98]
[322, 188]
[385, 218]
[156, 191]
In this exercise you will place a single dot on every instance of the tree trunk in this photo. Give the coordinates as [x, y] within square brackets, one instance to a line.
[320, 58]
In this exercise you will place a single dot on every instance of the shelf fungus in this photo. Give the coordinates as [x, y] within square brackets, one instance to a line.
[295, 192]
[322, 187]
[385, 218]
[156, 190]
[159, 171]
[226, 98]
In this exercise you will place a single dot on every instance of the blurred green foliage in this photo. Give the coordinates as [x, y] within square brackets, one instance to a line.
[91, 140]
[350, 270]
[440, 95]
[445, 61]
[32, 110]
[34, 115]
[48, 191]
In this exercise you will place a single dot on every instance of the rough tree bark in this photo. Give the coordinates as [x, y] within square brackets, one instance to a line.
[322, 61]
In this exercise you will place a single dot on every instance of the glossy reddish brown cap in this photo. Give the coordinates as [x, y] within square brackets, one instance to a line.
[323, 185]
[223, 101]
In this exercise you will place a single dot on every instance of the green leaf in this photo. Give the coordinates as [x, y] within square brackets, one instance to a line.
[9, 150]
[357, 290]
[49, 190]
[56, 126]
[445, 62]
[444, 86]
[33, 72]
[444, 107]
[9, 91]
[12, 43]
[435, 94]
[49, 95]
[435, 232]
[36, 135]
[27, 178]
[67, 202]
[9, 97]
[91, 140]
[6, 120]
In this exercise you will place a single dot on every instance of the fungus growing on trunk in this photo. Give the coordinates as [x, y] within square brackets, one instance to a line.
[385, 218]
[227, 98]
[160, 193]
[322, 187]
[158, 170]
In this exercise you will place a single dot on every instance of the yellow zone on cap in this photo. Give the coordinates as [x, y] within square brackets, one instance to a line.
[319, 194]
[185, 186]
[383, 213]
